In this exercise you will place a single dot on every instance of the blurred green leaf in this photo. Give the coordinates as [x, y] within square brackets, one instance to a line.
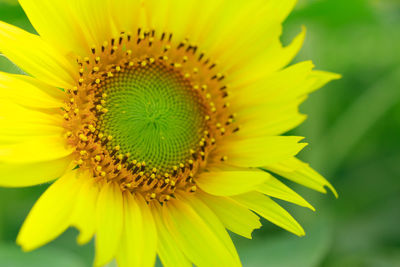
[12, 256]
[289, 250]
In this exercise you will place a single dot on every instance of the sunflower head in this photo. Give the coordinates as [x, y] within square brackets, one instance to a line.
[167, 130]
[146, 113]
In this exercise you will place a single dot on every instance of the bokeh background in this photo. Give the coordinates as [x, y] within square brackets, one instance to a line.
[353, 129]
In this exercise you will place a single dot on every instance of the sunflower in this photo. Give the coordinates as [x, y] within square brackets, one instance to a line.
[161, 123]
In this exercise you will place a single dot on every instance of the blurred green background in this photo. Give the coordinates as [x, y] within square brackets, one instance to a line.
[353, 130]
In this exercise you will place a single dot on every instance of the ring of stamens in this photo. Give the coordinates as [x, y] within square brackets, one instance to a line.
[86, 107]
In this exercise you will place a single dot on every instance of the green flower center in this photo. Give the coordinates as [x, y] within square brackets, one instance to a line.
[154, 114]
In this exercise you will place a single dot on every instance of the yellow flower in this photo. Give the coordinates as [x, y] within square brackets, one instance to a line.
[163, 120]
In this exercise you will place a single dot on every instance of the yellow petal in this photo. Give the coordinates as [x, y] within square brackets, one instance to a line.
[301, 173]
[194, 236]
[51, 214]
[167, 249]
[270, 210]
[35, 149]
[256, 152]
[35, 56]
[19, 90]
[275, 188]
[131, 248]
[109, 218]
[235, 217]
[63, 31]
[228, 183]
[28, 174]
[150, 233]
[269, 119]
[271, 60]
[84, 214]
[212, 221]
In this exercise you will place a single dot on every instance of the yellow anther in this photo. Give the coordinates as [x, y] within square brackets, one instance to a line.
[166, 181]
[196, 87]
[154, 170]
[185, 58]
[195, 70]
[152, 176]
[153, 196]
[98, 168]
[117, 148]
[68, 134]
[151, 60]
[99, 107]
[181, 165]
[207, 118]
[86, 59]
[96, 69]
[76, 111]
[74, 89]
[104, 110]
[187, 75]
[167, 197]
[144, 63]
[83, 152]
[110, 74]
[66, 116]
[177, 65]
[190, 162]
[165, 58]
[193, 188]
[72, 100]
[129, 52]
[109, 137]
[103, 174]
[101, 135]
[204, 87]
[208, 96]
[97, 59]
[172, 183]
[81, 70]
[118, 68]
[80, 162]
[97, 158]
[166, 175]
[98, 81]
[120, 156]
[83, 137]
[131, 63]
[192, 151]
[81, 80]
[104, 95]
[119, 167]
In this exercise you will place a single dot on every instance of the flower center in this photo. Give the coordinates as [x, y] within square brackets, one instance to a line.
[146, 113]
[154, 115]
